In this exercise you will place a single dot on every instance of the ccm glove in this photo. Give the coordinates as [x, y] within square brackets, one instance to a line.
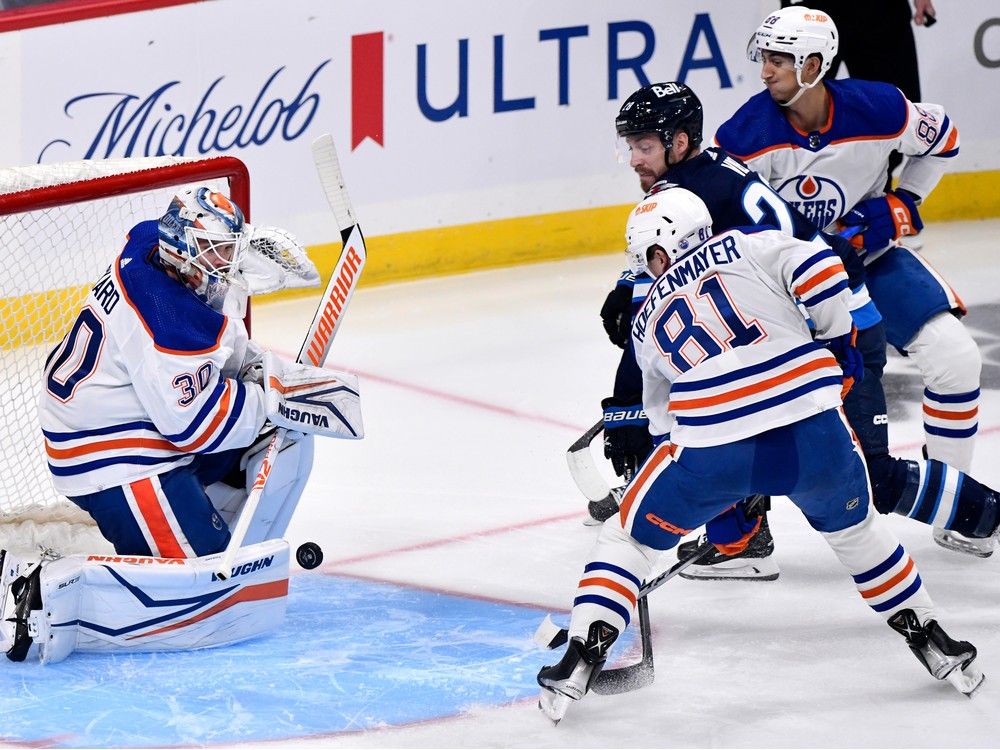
[845, 350]
[627, 441]
[732, 530]
[883, 219]
[616, 314]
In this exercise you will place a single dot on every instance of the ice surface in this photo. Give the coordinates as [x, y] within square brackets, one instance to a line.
[473, 387]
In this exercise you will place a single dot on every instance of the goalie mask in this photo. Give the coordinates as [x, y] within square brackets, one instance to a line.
[799, 32]
[203, 236]
[661, 108]
[673, 219]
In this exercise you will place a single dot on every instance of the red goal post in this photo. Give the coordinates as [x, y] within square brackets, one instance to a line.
[60, 227]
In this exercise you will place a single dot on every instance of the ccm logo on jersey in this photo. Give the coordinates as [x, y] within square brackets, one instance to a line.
[880, 419]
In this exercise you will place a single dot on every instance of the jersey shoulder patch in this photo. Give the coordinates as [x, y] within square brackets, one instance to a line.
[758, 126]
[866, 109]
[170, 312]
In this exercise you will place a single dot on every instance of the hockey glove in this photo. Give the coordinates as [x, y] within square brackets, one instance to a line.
[884, 219]
[627, 441]
[732, 530]
[845, 350]
[616, 314]
[310, 399]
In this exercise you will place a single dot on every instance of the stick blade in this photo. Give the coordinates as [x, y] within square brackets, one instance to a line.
[332, 179]
[633, 676]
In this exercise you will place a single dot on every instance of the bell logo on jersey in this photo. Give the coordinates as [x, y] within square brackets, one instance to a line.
[819, 199]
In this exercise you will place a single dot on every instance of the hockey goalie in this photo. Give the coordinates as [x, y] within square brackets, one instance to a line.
[156, 409]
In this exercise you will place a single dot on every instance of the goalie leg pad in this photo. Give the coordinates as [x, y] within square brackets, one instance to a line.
[101, 603]
[281, 494]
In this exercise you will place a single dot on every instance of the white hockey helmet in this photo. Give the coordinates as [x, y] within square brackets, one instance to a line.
[669, 217]
[204, 236]
[799, 32]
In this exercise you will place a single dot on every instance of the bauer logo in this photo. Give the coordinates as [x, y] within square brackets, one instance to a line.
[819, 199]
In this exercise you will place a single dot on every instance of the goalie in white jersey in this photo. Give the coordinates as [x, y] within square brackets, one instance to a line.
[149, 407]
[742, 400]
[824, 147]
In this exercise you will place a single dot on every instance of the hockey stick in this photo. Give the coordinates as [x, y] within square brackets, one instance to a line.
[325, 323]
[639, 675]
[581, 466]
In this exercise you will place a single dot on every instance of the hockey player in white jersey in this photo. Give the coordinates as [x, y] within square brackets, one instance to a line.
[824, 145]
[741, 399]
[149, 408]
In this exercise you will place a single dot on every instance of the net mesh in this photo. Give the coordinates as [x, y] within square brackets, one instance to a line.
[52, 256]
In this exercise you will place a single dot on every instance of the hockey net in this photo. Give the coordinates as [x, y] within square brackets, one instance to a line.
[60, 227]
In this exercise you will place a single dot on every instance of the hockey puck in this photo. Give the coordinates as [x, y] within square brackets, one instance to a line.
[309, 555]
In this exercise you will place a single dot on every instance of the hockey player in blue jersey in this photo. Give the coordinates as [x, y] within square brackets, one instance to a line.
[751, 401]
[824, 146]
[661, 126]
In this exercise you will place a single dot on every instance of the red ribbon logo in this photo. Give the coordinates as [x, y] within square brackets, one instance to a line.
[367, 60]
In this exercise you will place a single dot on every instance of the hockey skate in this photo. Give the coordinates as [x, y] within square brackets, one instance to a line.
[943, 657]
[20, 595]
[969, 545]
[601, 510]
[755, 563]
[574, 675]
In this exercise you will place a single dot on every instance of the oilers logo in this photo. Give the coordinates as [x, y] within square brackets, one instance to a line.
[819, 199]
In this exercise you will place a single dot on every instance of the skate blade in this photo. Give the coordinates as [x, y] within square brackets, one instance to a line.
[554, 705]
[589, 521]
[967, 681]
[763, 569]
[981, 548]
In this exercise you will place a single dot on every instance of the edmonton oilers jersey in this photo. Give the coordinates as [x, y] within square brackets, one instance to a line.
[144, 380]
[824, 174]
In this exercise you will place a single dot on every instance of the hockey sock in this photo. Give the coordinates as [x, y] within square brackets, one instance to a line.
[950, 424]
[940, 495]
[886, 577]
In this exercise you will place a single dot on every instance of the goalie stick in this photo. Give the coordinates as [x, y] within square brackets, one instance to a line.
[640, 674]
[325, 323]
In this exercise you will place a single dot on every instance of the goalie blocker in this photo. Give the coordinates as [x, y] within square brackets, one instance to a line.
[314, 400]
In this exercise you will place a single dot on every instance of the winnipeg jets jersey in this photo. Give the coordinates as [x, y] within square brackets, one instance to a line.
[144, 380]
[725, 353]
[826, 173]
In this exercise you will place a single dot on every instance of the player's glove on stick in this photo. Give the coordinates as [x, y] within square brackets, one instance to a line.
[616, 314]
[884, 219]
[845, 350]
[312, 399]
[627, 441]
[732, 530]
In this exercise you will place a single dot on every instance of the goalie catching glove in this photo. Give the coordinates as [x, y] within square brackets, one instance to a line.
[275, 260]
[311, 399]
